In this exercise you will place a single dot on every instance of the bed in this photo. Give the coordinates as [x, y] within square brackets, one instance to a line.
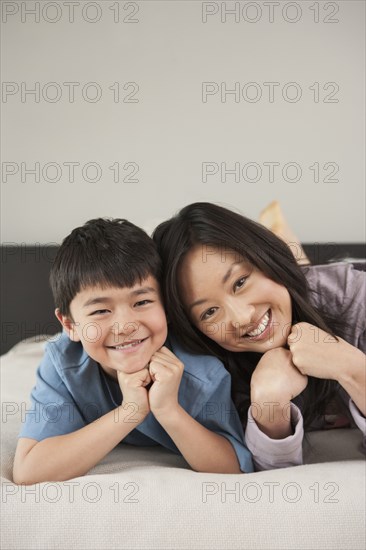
[144, 498]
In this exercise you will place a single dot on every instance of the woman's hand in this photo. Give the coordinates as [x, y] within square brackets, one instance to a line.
[276, 377]
[317, 353]
[275, 381]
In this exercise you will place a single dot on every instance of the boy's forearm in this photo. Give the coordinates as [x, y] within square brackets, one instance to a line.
[68, 456]
[204, 450]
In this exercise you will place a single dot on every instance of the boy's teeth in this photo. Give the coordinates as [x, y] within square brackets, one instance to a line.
[260, 328]
[124, 346]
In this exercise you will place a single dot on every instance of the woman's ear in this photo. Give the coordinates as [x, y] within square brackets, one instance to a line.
[68, 325]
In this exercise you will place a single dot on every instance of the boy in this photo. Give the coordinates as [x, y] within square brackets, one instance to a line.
[110, 378]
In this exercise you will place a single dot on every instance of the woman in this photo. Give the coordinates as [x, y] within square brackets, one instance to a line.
[233, 289]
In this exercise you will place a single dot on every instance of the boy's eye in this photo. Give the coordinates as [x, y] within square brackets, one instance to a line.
[239, 283]
[207, 314]
[99, 311]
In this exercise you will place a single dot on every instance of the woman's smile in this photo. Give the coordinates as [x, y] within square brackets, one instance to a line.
[234, 303]
[262, 328]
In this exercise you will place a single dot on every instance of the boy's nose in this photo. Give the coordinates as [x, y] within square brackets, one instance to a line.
[129, 328]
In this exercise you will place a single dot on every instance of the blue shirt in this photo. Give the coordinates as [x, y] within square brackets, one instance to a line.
[72, 390]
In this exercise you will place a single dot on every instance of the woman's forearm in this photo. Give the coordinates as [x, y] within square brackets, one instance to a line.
[353, 379]
[273, 418]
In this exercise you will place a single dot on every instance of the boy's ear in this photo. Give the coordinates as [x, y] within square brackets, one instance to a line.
[68, 325]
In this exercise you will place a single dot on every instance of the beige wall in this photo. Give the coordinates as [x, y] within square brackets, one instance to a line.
[173, 131]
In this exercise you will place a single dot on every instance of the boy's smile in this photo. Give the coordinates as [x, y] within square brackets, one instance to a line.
[120, 328]
[128, 346]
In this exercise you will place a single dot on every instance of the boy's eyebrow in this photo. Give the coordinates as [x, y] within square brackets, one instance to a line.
[97, 300]
[143, 290]
[105, 299]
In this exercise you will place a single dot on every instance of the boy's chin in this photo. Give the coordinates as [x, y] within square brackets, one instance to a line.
[112, 372]
[132, 365]
[132, 370]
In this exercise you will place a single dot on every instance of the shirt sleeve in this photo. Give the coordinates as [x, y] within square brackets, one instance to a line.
[269, 454]
[52, 410]
[219, 415]
[340, 290]
[360, 421]
[358, 417]
[205, 393]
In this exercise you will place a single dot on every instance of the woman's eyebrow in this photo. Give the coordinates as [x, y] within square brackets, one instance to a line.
[197, 303]
[224, 280]
[229, 271]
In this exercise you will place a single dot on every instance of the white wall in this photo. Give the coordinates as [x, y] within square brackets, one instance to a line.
[170, 131]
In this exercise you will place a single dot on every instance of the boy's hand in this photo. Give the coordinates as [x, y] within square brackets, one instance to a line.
[166, 373]
[134, 393]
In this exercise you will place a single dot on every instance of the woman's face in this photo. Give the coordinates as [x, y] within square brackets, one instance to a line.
[232, 302]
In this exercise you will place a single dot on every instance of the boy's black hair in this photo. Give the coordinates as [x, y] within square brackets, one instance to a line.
[104, 252]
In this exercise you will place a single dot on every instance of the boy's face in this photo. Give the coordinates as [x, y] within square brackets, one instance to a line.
[120, 328]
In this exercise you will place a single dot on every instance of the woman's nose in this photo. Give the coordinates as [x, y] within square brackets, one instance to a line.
[241, 315]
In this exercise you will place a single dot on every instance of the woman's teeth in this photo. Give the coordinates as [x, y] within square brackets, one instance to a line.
[261, 327]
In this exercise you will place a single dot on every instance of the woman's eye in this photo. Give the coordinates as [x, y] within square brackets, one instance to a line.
[143, 302]
[240, 283]
[208, 313]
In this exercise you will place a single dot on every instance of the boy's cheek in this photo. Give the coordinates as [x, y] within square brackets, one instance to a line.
[88, 334]
[92, 333]
[159, 343]
[73, 333]
[164, 335]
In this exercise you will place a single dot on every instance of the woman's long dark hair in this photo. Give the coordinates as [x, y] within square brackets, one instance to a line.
[214, 226]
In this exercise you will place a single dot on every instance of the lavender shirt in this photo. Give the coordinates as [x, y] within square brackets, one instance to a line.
[340, 290]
